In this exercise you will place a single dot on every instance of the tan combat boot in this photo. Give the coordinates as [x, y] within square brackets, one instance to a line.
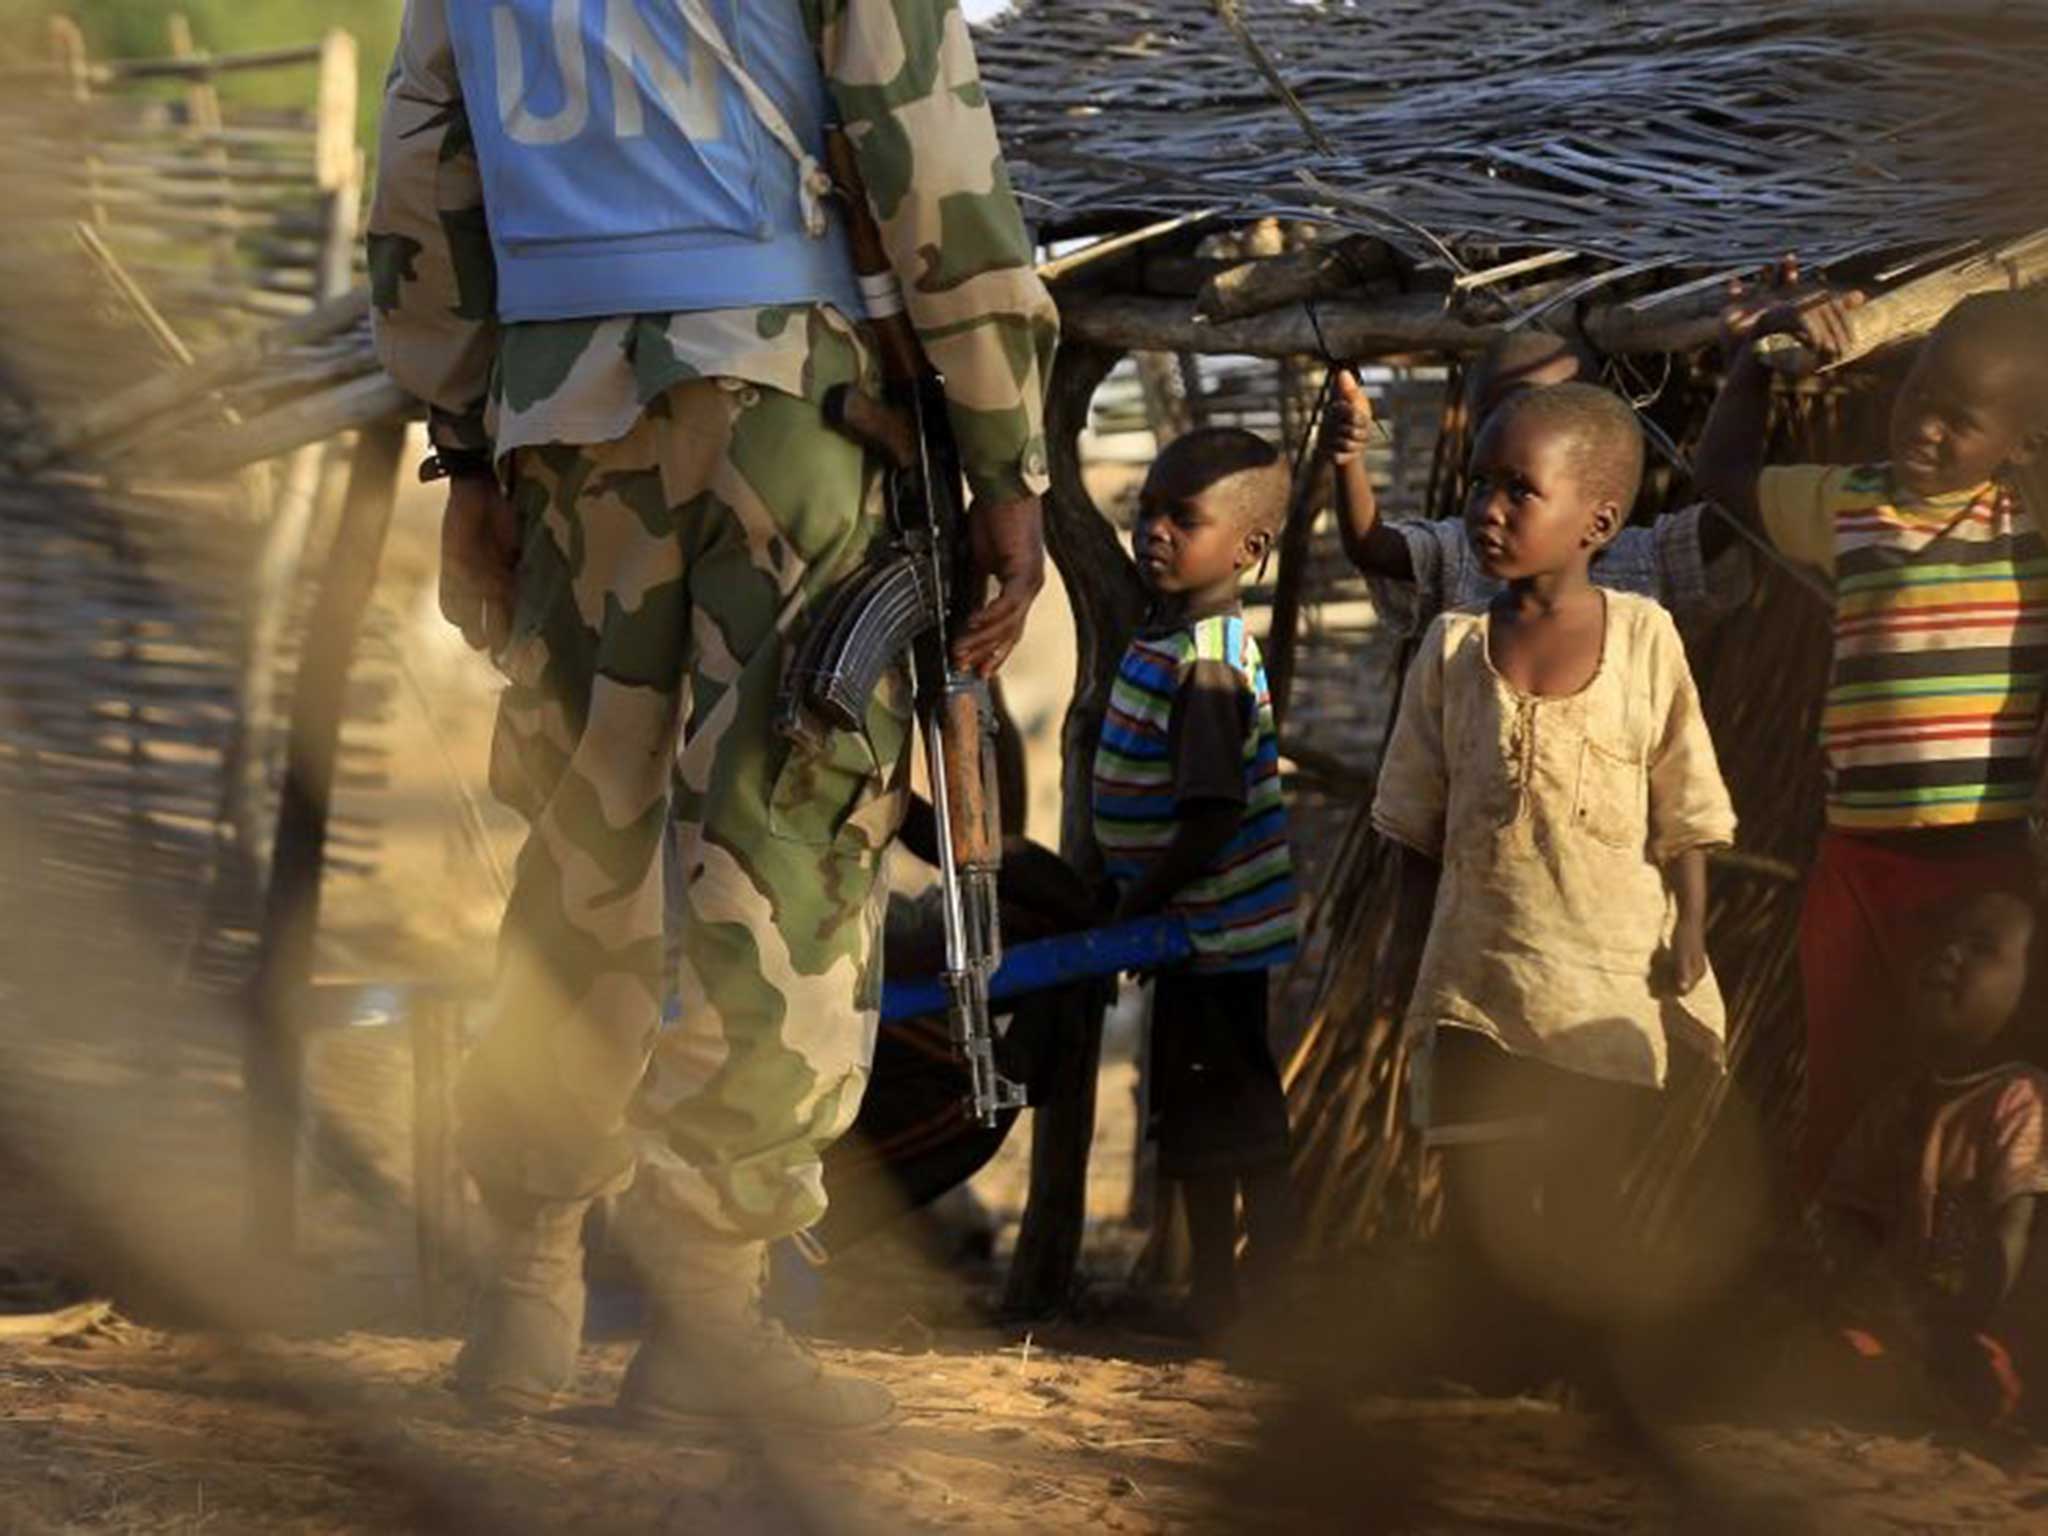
[526, 1320]
[712, 1358]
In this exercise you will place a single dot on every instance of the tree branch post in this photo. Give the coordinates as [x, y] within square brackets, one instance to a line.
[1107, 601]
[272, 1068]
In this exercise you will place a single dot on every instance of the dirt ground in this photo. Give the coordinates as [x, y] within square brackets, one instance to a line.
[237, 1393]
[137, 1430]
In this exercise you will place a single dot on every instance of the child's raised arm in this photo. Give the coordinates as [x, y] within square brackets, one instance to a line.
[1730, 459]
[1373, 547]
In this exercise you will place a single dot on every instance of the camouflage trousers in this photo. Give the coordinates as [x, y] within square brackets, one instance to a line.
[662, 580]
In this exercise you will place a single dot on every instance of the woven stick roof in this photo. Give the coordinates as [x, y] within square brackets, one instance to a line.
[1665, 142]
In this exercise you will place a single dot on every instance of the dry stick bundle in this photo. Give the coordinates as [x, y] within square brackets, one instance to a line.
[1696, 141]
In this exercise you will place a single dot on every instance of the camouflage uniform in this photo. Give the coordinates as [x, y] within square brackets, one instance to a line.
[683, 505]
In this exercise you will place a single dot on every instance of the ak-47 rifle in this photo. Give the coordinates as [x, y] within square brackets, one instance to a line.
[909, 597]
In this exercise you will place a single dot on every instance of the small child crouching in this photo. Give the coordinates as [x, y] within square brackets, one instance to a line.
[1189, 816]
[1929, 1215]
[1554, 789]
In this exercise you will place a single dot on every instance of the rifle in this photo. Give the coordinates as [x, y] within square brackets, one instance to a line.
[907, 598]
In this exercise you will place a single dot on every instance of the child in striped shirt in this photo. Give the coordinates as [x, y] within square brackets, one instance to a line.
[1188, 813]
[1940, 638]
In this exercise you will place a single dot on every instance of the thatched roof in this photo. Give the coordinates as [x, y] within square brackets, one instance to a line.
[1663, 143]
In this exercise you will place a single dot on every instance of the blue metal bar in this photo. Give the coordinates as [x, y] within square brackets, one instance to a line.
[1142, 944]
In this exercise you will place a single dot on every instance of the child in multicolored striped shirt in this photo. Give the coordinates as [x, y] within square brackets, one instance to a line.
[1940, 640]
[1189, 816]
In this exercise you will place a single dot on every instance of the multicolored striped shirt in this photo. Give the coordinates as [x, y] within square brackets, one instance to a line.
[1941, 638]
[1240, 911]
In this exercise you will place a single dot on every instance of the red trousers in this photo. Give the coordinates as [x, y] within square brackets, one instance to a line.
[1872, 905]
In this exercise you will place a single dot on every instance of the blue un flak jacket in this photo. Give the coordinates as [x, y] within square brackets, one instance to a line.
[626, 172]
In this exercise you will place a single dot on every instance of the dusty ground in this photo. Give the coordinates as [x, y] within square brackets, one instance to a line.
[137, 1430]
[121, 1159]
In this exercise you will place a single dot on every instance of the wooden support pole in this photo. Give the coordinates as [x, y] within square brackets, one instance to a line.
[1400, 323]
[1290, 586]
[202, 112]
[273, 576]
[337, 163]
[74, 72]
[1297, 534]
[1321, 271]
[1102, 589]
[1355, 328]
[202, 98]
[272, 1066]
[1107, 600]
[1680, 326]
[440, 1208]
[1041, 1278]
[1913, 309]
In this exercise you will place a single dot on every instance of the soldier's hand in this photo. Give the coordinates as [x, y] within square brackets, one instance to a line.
[1006, 544]
[479, 554]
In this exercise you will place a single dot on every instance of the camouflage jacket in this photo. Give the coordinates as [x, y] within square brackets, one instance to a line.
[903, 76]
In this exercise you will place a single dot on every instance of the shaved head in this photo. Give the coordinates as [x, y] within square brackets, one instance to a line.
[2007, 332]
[1238, 475]
[1606, 442]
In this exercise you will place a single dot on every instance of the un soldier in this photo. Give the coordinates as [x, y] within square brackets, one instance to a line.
[604, 253]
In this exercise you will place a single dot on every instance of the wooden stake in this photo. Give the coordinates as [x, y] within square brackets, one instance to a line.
[202, 111]
[439, 1203]
[273, 1067]
[67, 52]
[1289, 587]
[202, 100]
[1102, 586]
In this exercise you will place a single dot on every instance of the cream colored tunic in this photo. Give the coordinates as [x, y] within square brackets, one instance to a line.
[1551, 817]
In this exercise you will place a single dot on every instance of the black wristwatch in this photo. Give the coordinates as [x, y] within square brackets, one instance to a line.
[457, 464]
